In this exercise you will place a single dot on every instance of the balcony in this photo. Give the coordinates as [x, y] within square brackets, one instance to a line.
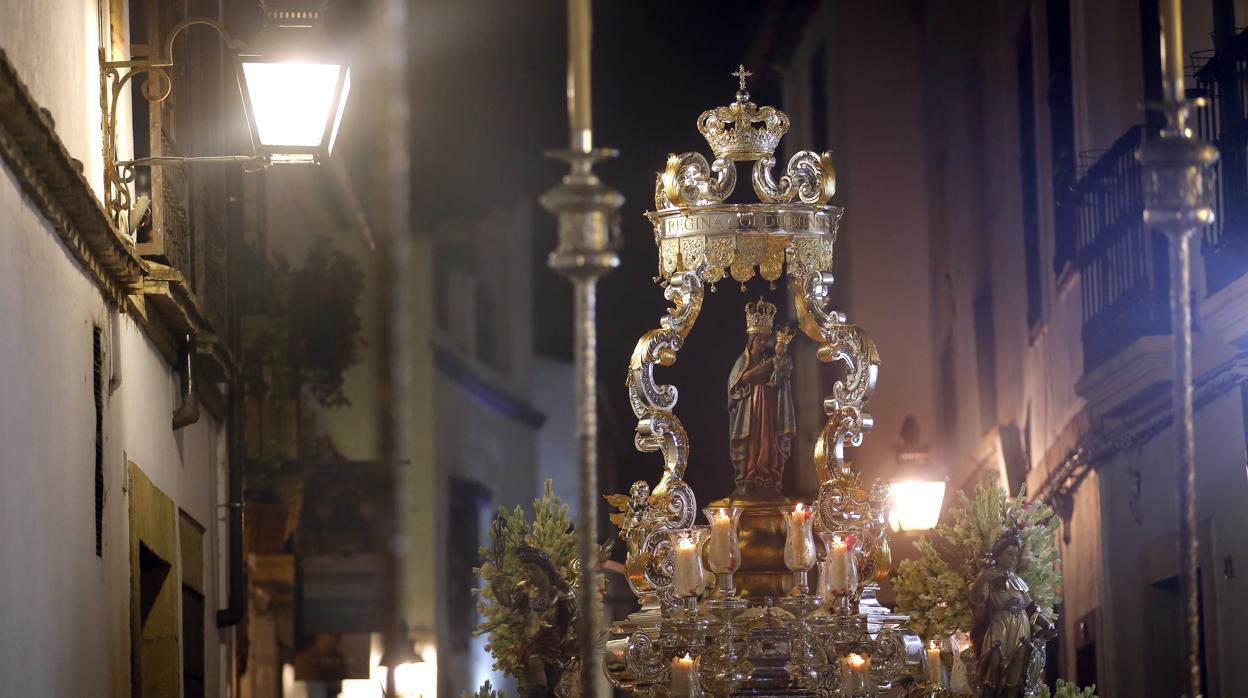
[1123, 266]
[1223, 81]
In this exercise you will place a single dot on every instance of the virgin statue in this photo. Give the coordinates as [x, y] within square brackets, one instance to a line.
[760, 404]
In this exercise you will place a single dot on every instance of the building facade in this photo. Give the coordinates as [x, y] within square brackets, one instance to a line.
[115, 465]
[992, 147]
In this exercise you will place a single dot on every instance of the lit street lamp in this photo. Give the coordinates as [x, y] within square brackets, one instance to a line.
[916, 504]
[918, 491]
[294, 94]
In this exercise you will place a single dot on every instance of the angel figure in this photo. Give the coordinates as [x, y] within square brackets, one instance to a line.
[1007, 623]
[635, 528]
[548, 605]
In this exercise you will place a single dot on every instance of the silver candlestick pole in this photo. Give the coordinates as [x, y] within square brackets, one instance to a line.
[588, 213]
[1177, 201]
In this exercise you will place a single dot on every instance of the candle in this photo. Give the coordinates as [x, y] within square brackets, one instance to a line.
[688, 569]
[684, 683]
[934, 673]
[958, 681]
[839, 568]
[580, 32]
[723, 553]
[857, 674]
[799, 546]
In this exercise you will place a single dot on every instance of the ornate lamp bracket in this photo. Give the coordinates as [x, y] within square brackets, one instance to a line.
[114, 76]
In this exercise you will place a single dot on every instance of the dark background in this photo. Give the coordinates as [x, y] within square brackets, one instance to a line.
[492, 112]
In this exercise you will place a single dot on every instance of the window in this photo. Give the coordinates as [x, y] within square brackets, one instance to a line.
[97, 386]
[1027, 166]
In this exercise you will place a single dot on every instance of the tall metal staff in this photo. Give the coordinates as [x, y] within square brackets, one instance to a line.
[588, 214]
[1177, 201]
[395, 365]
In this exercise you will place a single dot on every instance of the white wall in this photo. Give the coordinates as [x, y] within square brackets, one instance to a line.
[65, 611]
[54, 46]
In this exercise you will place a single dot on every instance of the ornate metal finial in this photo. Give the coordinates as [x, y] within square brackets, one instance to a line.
[741, 74]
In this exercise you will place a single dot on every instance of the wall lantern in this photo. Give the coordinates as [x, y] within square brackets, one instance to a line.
[294, 93]
[916, 504]
[917, 489]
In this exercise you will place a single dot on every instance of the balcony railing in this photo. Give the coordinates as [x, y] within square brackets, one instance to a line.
[1123, 265]
[1223, 80]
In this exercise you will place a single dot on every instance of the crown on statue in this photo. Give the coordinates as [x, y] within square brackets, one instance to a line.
[759, 317]
[730, 130]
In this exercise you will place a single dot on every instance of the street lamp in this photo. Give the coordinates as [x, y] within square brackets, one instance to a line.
[294, 94]
[293, 109]
[916, 504]
[294, 89]
[917, 489]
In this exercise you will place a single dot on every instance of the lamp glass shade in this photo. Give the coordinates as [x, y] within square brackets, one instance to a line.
[293, 108]
[916, 504]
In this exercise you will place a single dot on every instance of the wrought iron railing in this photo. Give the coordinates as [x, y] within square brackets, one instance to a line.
[1123, 265]
[1223, 81]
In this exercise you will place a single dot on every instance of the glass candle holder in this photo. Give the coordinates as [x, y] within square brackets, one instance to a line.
[799, 545]
[685, 678]
[723, 552]
[688, 575]
[856, 675]
[838, 573]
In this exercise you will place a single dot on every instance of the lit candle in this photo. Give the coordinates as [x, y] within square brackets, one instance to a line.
[799, 546]
[934, 673]
[688, 572]
[840, 567]
[684, 682]
[857, 674]
[722, 552]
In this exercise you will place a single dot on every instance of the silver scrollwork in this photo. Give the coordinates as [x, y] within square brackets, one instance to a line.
[689, 180]
[809, 178]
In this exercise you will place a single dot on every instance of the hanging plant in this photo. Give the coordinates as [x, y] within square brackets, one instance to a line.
[325, 325]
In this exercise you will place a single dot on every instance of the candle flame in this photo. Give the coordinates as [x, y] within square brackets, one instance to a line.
[798, 509]
[686, 541]
[932, 644]
[856, 661]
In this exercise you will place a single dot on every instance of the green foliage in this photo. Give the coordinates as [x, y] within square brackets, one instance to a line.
[510, 627]
[935, 588]
[486, 691]
[309, 332]
[325, 325]
[1063, 689]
